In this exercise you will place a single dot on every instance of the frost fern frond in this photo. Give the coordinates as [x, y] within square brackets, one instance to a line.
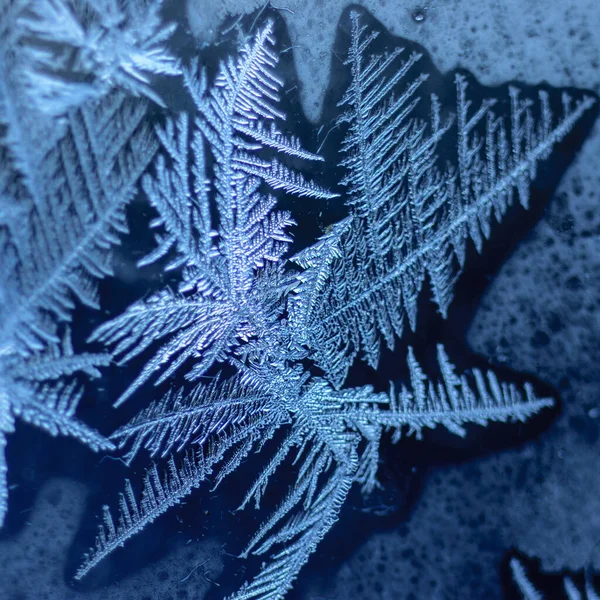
[452, 402]
[76, 217]
[159, 494]
[181, 418]
[298, 540]
[221, 428]
[411, 217]
[220, 304]
[290, 330]
[66, 177]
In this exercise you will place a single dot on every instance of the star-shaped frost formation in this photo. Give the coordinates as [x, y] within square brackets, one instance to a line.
[423, 188]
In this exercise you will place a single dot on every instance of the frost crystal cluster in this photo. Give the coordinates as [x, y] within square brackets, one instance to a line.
[71, 152]
[253, 347]
[291, 327]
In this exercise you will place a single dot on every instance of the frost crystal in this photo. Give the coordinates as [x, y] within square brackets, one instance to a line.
[288, 331]
[64, 186]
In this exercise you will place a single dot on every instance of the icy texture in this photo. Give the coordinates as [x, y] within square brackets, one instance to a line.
[241, 303]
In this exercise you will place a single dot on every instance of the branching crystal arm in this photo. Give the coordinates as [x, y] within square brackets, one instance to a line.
[192, 326]
[452, 402]
[185, 215]
[78, 217]
[257, 490]
[298, 539]
[52, 408]
[180, 418]
[221, 446]
[421, 222]
[316, 261]
[159, 494]
[238, 118]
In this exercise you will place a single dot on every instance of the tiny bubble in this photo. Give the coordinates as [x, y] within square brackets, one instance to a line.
[593, 413]
[501, 357]
[419, 15]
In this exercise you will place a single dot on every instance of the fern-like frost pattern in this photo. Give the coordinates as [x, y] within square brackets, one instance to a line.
[77, 51]
[68, 168]
[411, 217]
[290, 328]
[221, 298]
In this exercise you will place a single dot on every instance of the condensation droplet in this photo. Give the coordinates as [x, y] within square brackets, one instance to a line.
[419, 15]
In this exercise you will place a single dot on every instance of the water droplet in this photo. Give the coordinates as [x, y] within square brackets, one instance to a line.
[419, 15]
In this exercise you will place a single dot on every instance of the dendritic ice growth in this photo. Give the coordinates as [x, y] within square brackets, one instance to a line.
[290, 328]
[71, 153]
[530, 592]
[73, 52]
